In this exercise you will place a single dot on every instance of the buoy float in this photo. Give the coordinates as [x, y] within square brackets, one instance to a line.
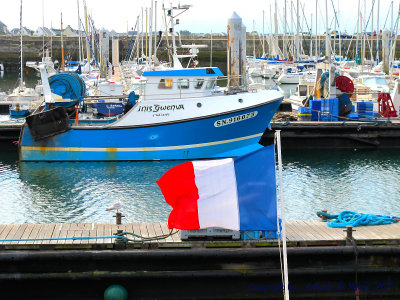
[115, 292]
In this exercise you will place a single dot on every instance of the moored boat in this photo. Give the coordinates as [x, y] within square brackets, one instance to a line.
[179, 116]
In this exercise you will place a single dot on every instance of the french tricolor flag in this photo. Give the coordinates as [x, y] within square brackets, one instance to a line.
[233, 193]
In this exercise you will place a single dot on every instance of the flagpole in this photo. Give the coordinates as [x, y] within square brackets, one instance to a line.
[283, 233]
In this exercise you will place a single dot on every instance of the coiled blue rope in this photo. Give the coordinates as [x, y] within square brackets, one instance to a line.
[68, 85]
[350, 218]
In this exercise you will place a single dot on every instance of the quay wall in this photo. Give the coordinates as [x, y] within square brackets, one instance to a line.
[9, 48]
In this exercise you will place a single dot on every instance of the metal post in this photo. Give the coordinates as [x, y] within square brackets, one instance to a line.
[349, 235]
[285, 266]
[118, 218]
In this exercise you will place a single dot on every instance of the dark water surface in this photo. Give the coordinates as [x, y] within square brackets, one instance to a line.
[77, 192]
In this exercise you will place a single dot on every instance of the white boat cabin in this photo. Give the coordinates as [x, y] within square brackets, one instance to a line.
[182, 83]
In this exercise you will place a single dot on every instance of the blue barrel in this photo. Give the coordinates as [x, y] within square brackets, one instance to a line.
[315, 106]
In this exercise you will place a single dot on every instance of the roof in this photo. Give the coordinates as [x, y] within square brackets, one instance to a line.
[198, 72]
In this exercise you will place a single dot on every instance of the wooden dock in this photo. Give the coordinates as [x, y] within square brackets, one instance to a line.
[299, 233]
[321, 264]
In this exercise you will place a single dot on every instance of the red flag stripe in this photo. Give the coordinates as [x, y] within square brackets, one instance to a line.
[180, 191]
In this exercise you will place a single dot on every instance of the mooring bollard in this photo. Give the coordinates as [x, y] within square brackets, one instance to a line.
[349, 235]
[118, 218]
[324, 218]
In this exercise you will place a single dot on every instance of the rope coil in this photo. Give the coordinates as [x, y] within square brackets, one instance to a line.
[350, 218]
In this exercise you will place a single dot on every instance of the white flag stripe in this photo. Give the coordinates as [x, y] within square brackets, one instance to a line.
[218, 200]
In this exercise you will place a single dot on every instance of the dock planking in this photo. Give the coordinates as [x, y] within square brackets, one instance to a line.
[299, 232]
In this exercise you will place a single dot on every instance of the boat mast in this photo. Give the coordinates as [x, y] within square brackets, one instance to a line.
[372, 33]
[211, 48]
[254, 39]
[62, 47]
[263, 45]
[142, 34]
[43, 27]
[285, 32]
[79, 33]
[87, 31]
[151, 33]
[316, 30]
[155, 28]
[276, 40]
[377, 33]
[147, 34]
[21, 75]
[364, 37]
[327, 43]
[297, 30]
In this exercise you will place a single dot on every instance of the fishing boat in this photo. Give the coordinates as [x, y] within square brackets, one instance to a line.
[19, 110]
[180, 115]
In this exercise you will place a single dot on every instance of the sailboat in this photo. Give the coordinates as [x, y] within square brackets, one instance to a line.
[21, 96]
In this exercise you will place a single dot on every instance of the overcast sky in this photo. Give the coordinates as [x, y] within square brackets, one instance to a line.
[205, 15]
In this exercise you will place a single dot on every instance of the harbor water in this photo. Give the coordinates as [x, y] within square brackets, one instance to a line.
[79, 192]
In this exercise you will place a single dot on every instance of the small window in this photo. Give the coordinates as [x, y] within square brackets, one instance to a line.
[210, 71]
[183, 83]
[302, 90]
[198, 83]
[165, 84]
[210, 84]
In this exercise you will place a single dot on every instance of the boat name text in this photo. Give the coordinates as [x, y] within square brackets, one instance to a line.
[156, 107]
[236, 119]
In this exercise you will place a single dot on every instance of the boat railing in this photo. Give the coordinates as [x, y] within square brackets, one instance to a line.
[210, 86]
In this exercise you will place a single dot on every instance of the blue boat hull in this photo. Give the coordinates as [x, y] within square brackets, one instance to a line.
[19, 113]
[191, 139]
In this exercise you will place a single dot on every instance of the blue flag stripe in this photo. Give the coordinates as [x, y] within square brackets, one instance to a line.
[256, 187]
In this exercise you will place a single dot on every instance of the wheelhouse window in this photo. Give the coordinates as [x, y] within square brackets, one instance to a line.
[165, 84]
[183, 83]
[198, 84]
[210, 84]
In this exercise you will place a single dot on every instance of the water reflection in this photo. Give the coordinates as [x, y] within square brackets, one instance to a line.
[80, 192]
[364, 181]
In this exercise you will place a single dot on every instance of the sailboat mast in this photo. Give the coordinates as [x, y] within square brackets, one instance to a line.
[155, 28]
[43, 27]
[79, 34]
[263, 45]
[150, 33]
[285, 32]
[62, 47]
[297, 30]
[327, 43]
[377, 33]
[316, 29]
[87, 32]
[21, 75]
[372, 32]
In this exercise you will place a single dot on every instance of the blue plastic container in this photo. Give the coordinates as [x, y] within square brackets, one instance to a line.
[334, 109]
[315, 106]
[365, 109]
[329, 109]
[352, 116]
[304, 114]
